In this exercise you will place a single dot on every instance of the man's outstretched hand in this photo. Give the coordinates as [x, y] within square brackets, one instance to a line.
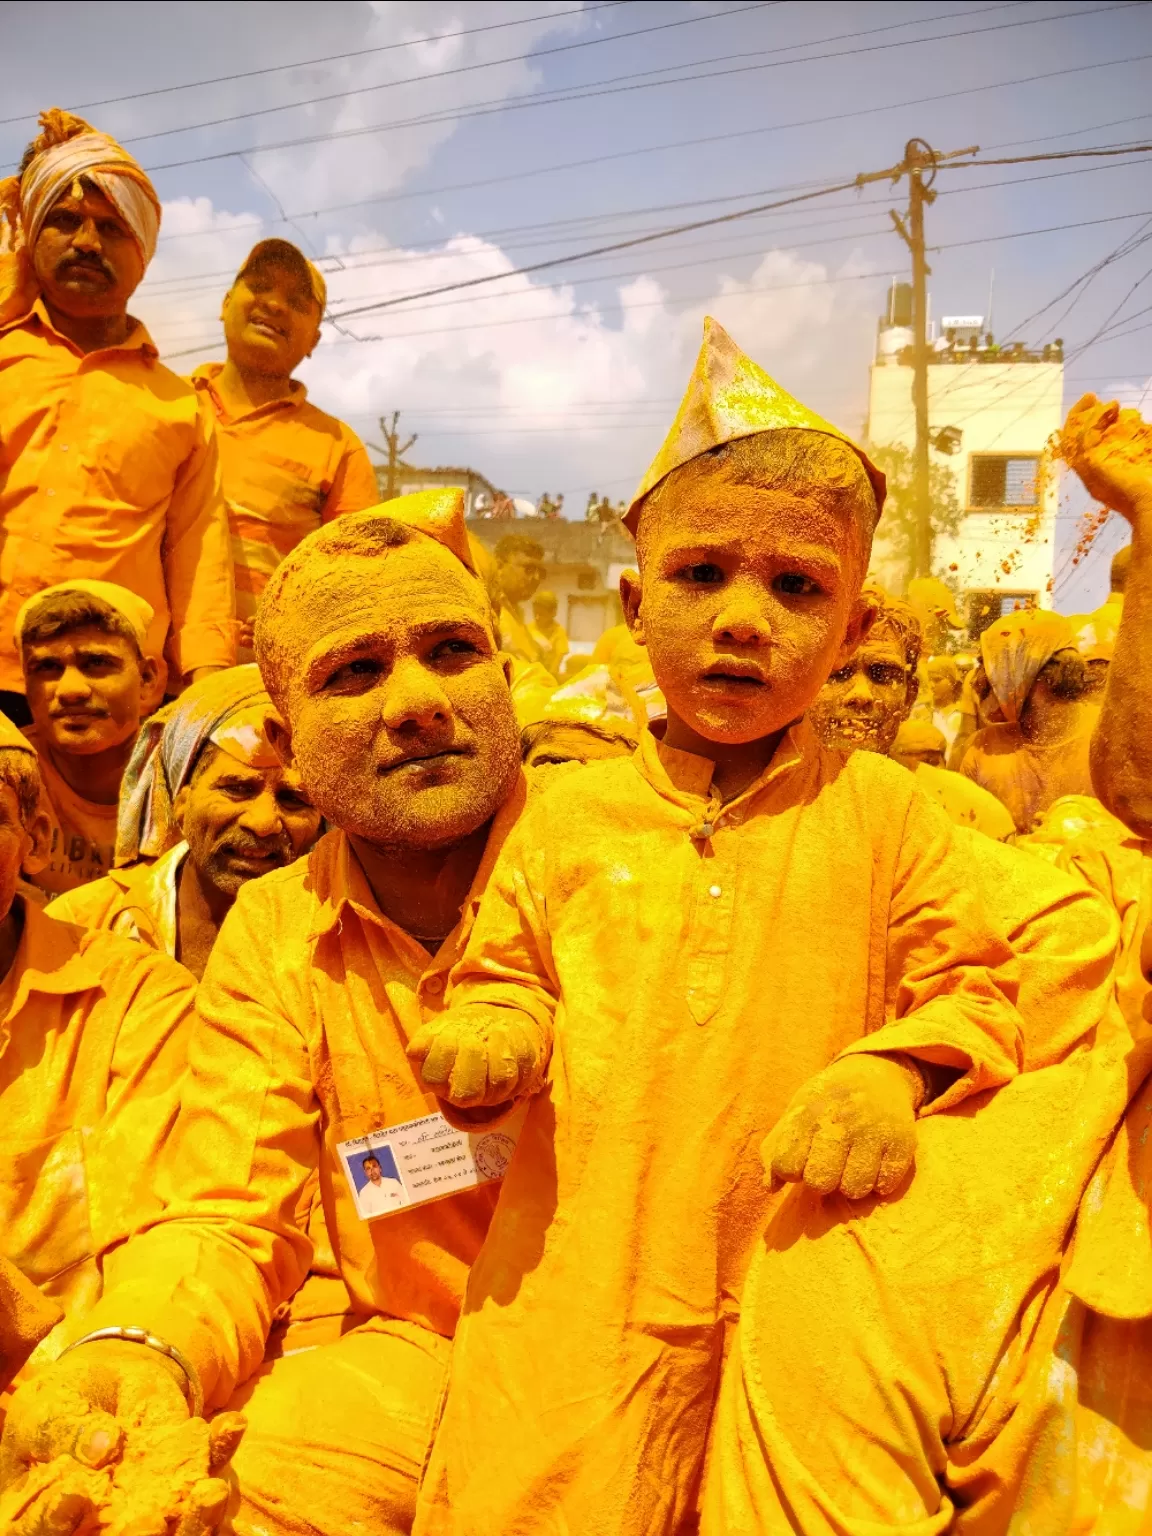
[105, 1435]
[851, 1128]
[1110, 448]
[479, 1056]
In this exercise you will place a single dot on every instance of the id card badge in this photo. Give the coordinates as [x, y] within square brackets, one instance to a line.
[427, 1159]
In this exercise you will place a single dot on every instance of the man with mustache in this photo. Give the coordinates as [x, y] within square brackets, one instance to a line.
[865, 703]
[207, 807]
[108, 464]
[287, 467]
[88, 681]
[375, 640]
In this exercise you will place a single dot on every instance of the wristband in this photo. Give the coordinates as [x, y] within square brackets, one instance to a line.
[194, 1391]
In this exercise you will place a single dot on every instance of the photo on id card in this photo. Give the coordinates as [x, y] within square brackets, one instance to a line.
[425, 1159]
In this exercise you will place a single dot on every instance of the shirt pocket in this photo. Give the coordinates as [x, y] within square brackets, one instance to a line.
[129, 444]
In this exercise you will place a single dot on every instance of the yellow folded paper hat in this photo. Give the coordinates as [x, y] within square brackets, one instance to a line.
[275, 250]
[729, 397]
[439, 514]
[138, 613]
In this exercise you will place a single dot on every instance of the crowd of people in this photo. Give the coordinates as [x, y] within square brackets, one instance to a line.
[453, 1086]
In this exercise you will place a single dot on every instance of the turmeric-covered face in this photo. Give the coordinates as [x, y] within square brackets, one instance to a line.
[398, 706]
[748, 598]
[862, 705]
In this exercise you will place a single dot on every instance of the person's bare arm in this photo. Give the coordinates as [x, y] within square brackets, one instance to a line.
[1111, 450]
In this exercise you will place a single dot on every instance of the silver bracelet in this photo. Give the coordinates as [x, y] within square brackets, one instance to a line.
[195, 1392]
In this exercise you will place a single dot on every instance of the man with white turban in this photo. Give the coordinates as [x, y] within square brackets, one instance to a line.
[109, 463]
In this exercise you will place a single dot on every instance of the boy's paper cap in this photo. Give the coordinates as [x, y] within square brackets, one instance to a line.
[138, 613]
[437, 513]
[284, 253]
[729, 397]
[12, 739]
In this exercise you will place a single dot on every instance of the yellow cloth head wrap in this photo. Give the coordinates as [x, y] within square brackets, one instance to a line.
[1015, 648]
[729, 397]
[138, 613]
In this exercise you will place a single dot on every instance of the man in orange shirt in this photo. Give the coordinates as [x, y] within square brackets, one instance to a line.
[108, 463]
[88, 683]
[287, 466]
[375, 638]
[206, 806]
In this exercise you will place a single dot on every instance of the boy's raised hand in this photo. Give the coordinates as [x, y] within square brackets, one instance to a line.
[480, 1055]
[851, 1128]
[1110, 448]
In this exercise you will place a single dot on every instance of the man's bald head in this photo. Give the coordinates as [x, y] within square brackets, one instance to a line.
[313, 573]
[375, 641]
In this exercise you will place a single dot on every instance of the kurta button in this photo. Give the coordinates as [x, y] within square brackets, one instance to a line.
[703, 830]
[714, 890]
[434, 985]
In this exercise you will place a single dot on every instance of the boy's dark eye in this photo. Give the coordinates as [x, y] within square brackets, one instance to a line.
[705, 573]
[454, 648]
[885, 676]
[841, 675]
[795, 584]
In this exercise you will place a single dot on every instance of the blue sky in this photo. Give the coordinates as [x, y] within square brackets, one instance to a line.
[565, 379]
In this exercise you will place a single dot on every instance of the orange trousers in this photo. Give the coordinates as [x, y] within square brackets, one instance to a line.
[918, 1365]
[338, 1435]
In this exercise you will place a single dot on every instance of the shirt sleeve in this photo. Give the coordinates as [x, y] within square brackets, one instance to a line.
[354, 487]
[210, 1271]
[198, 567]
[507, 963]
[974, 982]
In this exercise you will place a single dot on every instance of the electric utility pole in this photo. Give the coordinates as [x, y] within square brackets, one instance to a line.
[919, 165]
[395, 453]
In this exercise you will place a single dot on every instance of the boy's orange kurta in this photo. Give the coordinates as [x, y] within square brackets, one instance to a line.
[92, 1049]
[304, 1013]
[697, 963]
[109, 469]
[975, 1356]
[286, 468]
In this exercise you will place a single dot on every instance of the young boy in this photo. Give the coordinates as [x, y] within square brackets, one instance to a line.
[88, 683]
[728, 923]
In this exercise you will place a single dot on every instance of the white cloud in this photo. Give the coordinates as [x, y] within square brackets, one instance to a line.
[530, 382]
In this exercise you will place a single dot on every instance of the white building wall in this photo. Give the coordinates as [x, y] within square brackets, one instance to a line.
[1009, 408]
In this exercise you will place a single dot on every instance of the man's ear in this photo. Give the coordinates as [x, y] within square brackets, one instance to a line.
[860, 621]
[278, 733]
[180, 807]
[315, 342]
[506, 663]
[153, 681]
[39, 834]
[631, 595]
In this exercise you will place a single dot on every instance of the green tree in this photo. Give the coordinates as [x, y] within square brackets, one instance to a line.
[898, 525]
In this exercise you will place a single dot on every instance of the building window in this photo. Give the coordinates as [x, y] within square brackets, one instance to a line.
[1000, 480]
[985, 607]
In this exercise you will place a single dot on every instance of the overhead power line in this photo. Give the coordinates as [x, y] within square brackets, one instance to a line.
[437, 75]
[334, 58]
[631, 82]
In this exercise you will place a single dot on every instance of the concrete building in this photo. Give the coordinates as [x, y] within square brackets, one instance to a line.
[583, 563]
[991, 410]
[478, 491]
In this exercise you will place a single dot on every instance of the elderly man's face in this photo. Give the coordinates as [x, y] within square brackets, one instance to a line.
[241, 821]
[87, 261]
[861, 706]
[399, 711]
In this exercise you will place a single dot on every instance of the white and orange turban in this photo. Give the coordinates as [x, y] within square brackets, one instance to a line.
[68, 150]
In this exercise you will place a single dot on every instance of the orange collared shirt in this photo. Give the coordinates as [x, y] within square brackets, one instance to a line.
[92, 1048]
[304, 1012]
[138, 901]
[109, 469]
[287, 467]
